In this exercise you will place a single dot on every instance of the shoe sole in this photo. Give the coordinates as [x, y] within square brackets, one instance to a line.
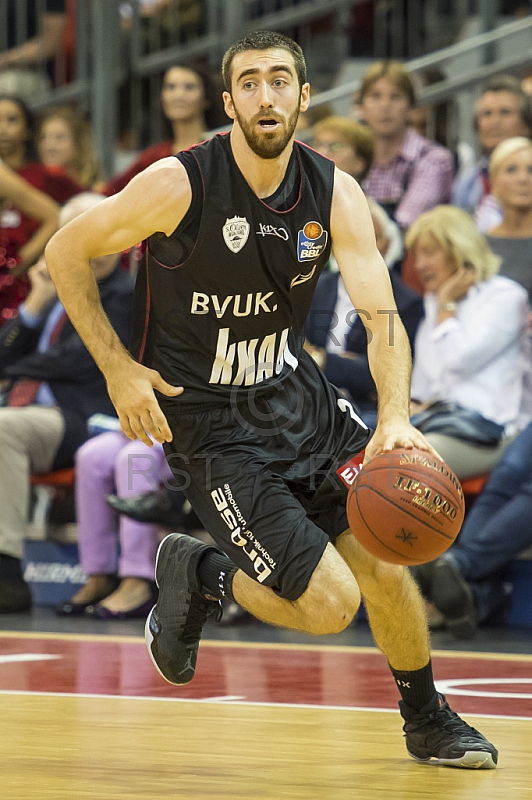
[149, 639]
[472, 759]
[148, 636]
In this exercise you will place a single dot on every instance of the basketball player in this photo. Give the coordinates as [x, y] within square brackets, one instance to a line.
[238, 230]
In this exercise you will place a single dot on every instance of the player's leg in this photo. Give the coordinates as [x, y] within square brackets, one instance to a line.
[397, 618]
[174, 626]
[273, 560]
[327, 605]
[393, 603]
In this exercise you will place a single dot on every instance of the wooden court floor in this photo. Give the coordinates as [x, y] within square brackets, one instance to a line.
[89, 717]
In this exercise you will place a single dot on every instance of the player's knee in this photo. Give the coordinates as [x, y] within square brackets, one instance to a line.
[334, 610]
[381, 579]
[340, 611]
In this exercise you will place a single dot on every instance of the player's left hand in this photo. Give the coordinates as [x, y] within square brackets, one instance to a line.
[397, 433]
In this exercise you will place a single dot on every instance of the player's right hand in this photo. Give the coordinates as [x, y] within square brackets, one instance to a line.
[131, 389]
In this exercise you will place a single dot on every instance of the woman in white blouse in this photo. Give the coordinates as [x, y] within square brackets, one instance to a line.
[473, 347]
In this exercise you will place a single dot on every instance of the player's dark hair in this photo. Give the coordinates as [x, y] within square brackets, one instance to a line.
[264, 40]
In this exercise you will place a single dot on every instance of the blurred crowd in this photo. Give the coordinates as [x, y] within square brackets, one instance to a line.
[454, 226]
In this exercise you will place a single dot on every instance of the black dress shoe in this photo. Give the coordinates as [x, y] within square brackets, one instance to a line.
[71, 609]
[139, 612]
[453, 597]
[159, 507]
[423, 575]
[15, 596]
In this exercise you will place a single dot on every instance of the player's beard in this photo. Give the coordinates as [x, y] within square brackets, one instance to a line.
[268, 145]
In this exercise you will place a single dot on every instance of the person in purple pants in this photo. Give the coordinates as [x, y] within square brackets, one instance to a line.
[117, 553]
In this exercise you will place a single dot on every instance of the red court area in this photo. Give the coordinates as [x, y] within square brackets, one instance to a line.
[258, 673]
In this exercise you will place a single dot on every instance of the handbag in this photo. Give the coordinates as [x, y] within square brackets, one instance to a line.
[451, 419]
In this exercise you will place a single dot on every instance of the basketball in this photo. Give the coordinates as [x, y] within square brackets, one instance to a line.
[312, 230]
[405, 507]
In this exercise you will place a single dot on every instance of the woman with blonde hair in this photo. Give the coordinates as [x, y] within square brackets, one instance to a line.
[471, 377]
[511, 238]
[64, 141]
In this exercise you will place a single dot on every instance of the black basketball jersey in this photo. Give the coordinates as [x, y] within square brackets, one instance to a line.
[230, 317]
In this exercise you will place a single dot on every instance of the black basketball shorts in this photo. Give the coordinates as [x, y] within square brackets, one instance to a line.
[261, 475]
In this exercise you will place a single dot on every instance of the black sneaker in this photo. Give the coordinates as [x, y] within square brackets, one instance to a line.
[437, 732]
[174, 625]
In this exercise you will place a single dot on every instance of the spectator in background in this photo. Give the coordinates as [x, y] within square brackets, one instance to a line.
[16, 227]
[351, 146]
[44, 22]
[467, 584]
[116, 553]
[348, 143]
[472, 347]
[64, 142]
[336, 337]
[54, 387]
[18, 192]
[410, 174]
[502, 111]
[191, 105]
[511, 185]
[335, 333]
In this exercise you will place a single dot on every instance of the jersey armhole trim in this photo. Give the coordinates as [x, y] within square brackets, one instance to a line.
[148, 307]
[200, 227]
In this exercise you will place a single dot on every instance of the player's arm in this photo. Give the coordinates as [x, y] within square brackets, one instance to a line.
[156, 200]
[36, 205]
[368, 284]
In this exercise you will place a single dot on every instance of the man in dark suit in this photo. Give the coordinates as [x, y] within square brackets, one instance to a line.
[337, 337]
[51, 387]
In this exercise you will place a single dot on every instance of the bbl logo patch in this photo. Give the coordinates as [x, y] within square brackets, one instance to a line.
[311, 241]
[236, 232]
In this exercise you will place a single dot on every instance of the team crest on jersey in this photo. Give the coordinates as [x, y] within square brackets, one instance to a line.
[236, 232]
[311, 241]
